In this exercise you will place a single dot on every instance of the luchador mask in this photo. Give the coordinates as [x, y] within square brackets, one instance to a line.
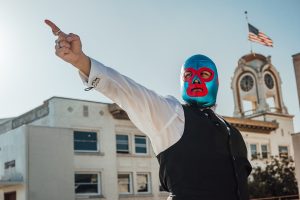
[199, 81]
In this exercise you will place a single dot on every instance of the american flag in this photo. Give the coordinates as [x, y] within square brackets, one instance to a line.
[256, 36]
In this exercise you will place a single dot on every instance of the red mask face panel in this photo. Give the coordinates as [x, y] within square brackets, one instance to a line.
[196, 81]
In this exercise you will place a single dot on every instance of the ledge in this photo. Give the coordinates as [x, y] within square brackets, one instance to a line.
[135, 195]
[89, 153]
[95, 197]
[4, 184]
[250, 125]
[26, 118]
[243, 124]
[134, 155]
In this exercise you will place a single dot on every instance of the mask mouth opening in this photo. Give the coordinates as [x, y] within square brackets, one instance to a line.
[197, 90]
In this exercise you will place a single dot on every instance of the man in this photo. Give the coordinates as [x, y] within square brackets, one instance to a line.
[201, 156]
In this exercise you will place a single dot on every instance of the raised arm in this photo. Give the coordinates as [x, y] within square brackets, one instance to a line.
[160, 118]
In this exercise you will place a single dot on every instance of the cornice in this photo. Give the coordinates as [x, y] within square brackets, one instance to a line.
[248, 125]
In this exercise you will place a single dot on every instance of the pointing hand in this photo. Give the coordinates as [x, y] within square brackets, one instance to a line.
[69, 48]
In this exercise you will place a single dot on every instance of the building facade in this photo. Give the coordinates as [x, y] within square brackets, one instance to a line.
[257, 93]
[296, 136]
[75, 149]
[296, 143]
[296, 61]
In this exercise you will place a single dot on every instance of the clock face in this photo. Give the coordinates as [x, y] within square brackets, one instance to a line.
[269, 81]
[247, 83]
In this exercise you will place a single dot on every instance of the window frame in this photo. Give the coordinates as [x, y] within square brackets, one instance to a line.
[131, 189]
[256, 155]
[97, 141]
[129, 148]
[262, 152]
[146, 145]
[98, 184]
[9, 166]
[149, 182]
[288, 153]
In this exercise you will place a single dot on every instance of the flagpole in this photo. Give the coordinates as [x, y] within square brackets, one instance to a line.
[251, 51]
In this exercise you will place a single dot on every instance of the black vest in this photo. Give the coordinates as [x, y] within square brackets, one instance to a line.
[209, 162]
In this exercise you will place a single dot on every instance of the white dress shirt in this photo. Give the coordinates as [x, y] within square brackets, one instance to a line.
[160, 118]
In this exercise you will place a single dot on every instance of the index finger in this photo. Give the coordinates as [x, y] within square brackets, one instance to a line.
[55, 29]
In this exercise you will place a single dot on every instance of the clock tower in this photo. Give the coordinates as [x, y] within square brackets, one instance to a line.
[256, 86]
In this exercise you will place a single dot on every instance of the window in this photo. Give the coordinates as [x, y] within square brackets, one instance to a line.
[253, 149]
[140, 144]
[85, 141]
[9, 167]
[10, 164]
[264, 151]
[86, 183]
[122, 144]
[125, 183]
[283, 151]
[143, 183]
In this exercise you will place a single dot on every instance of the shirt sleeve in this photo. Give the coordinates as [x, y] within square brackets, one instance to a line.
[160, 118]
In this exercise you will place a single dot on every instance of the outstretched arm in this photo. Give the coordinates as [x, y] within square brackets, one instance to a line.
[160, 118]
[69, 48]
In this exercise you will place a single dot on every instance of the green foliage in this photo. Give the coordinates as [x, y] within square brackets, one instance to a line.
[277, 179]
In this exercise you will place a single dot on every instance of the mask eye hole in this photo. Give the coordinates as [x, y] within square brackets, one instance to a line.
[187, 75]
[205, 74]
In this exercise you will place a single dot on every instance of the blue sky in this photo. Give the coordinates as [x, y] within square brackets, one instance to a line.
[145, 40]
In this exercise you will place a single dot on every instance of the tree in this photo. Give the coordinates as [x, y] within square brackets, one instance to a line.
[276, 179]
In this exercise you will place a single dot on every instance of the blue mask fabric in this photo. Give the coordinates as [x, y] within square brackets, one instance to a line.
[199, 81]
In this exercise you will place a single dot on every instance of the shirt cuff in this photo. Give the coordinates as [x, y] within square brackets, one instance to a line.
[97, 71]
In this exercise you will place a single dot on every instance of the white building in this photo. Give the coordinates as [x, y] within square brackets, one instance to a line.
[296, 137]
[296, 62]
[256, 86]
[75, 149]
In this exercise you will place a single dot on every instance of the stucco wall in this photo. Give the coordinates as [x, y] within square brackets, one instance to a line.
[282, 135]
[296, 144]
[13, 147]
[50, 174]
[296, 61]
